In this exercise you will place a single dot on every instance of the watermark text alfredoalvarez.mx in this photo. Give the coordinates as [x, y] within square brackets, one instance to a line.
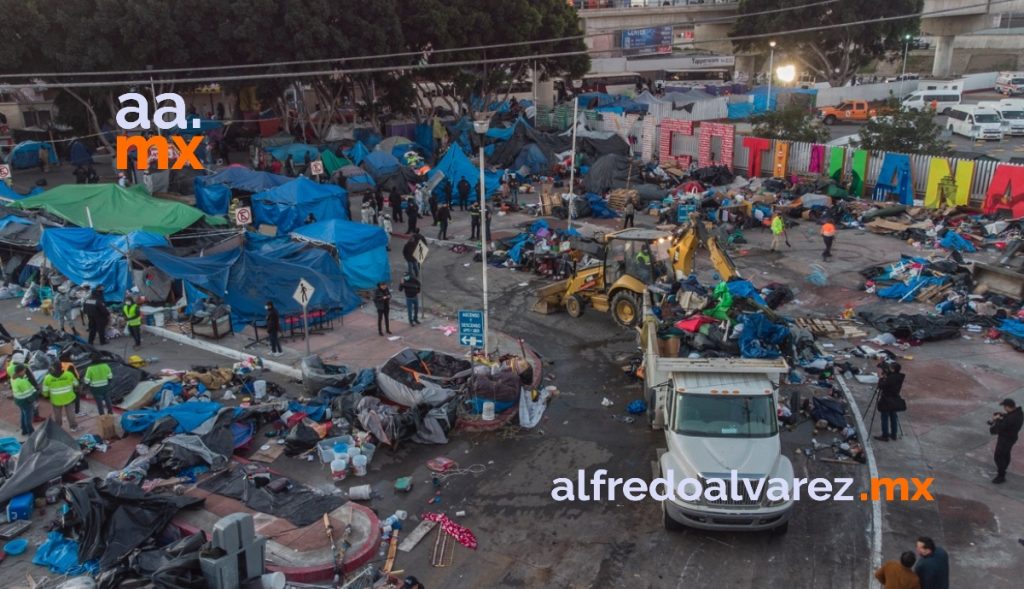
[736, 488]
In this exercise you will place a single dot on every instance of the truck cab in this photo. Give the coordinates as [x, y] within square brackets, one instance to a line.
[848, 110]
[718, 415]
[1011, 111]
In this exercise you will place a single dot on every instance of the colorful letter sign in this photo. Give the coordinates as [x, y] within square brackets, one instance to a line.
[755, 147]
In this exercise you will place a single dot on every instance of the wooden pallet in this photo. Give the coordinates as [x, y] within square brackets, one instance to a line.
[831, 328]
[618, 197]
[933, 294]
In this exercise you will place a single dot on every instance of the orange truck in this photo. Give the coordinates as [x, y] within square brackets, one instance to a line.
[851, 110]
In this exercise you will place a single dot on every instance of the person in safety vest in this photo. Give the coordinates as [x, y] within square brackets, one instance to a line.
[24, 396]
[59, 386]
[133, 318]
[778, 227]
[98, 376]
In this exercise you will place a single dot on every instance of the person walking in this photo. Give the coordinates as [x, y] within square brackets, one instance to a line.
[382, 300]
[444, 216]
[828, 235]
[474, 221]
[59, 386]
[463, 188]
[628, 213]
[412, 214]
[899, 574]
[273, 321]
[63, 308]
[396, 205]
[133, 318]
[98, 376]
[778, 227]
[24, 392]
[1006, 426]
[932, 566]
[513, 188]
[487, 224]
[409, 252]
[378, 205]
[96, 314]
[289, 166]
[388, 227]
[890, 403]
[432, 204]
[411, 287]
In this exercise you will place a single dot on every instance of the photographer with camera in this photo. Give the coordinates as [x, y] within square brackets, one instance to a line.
[890, 385]
[1006, 425]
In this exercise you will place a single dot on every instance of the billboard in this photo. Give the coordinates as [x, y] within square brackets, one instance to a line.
[647, 41]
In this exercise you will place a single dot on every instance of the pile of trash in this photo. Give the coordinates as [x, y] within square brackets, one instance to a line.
[538, 249]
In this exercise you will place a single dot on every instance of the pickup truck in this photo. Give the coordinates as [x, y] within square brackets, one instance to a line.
[850, 110]
[719, 416]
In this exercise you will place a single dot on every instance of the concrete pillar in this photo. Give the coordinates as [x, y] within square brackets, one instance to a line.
[943, 56]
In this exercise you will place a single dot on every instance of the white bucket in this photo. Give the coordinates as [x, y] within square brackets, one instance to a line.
[274, 580]
[360, 492]
[159, 318]
[368, 449]
[353, 452]
[339, 466]
[359, 465]
[488, 411]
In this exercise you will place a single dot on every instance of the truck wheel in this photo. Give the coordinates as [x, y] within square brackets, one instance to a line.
[830, 120]
[670, 524]
[625, 309]
[574, 306]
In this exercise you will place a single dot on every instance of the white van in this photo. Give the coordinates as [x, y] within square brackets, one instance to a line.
[975, 122]
[1010, 83]
[922, 100]
[1011, 110]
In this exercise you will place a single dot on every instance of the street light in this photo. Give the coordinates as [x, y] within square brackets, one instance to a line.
[480, 126]
[786, 73]
[771, 64]
[906, 45]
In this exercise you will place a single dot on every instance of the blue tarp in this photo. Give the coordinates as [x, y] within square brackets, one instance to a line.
[600, 209]
[532, 157]
[8, 192]
[266, 269]
[213, 193]
[362, 249]
[380, 165]
[13, 219]
[739, 110]
[760, 337]
[1014, 327]
[456, 165]
[743, 288]
[424, 137]
[954, 241]
[205, 126]
[298, 152]
[901, 289]
[60, 555]
[288, 205]
[80, 154]
[87, 257]
[357, 153]
[188, 415]
[26, 154]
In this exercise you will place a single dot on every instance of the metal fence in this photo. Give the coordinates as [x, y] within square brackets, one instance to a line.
[800, 157]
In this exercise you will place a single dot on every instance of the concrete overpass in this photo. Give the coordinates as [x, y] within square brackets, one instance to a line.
[604, 19]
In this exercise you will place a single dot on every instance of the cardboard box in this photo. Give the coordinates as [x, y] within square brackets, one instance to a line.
[107, 427]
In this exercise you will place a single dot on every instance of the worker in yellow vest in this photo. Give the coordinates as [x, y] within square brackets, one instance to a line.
[59, 386]
[24, 396]
[778, 226]
[133, 318]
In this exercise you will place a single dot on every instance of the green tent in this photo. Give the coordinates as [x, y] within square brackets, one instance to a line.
[108, 208]
[332, 162]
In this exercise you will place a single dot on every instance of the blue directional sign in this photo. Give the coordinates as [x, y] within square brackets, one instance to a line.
[471, 328]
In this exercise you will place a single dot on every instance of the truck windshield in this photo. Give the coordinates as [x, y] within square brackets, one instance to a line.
[986, 118]
[721, 416]
[1017, 81]
[1013, 115]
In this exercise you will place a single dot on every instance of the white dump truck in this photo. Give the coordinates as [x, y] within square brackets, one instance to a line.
[719, 416]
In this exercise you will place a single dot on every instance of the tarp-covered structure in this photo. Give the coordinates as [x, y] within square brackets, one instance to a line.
[214, 192]
[88, 257]
[357, 179]
[613, 171]
[357, 153]
[298, 151]
[48, 453]
[287, 206]
[553, 146]
[456, 165]
[264, 269]
[11, 194]
[108, 208]
[361, 248]
[333, 162]
[381, 165]
[26, 155]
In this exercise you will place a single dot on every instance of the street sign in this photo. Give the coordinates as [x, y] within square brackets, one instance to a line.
[5, 171]
[303, 292]
[316, 168]
[243, 216]
[471, 328]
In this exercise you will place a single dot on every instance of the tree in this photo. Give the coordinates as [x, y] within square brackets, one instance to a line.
[904, 132]
[790, 123]
[834, 54]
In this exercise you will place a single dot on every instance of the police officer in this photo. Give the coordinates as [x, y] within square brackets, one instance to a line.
[474, 221]
[96, 314]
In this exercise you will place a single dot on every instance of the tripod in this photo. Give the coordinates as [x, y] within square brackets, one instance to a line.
[873, 408]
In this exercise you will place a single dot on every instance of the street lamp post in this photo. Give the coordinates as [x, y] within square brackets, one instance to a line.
[771, 66]
[480, 126]
[906, 46]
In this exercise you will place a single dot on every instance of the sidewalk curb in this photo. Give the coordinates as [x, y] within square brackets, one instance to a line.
[272, 366]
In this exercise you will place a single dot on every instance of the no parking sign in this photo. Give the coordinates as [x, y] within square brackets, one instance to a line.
[5, 171]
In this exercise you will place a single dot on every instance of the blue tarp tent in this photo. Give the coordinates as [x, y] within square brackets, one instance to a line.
[288, 205]
[9, 193]
[456, 165]
[264, 270]
[87, 257]
[362, 249]
[26, 154]
[81, 155]
[380, 165]
[357, 179]
[532, 157]
[357, 153]
[213, 193]
[298, 152]
[205, 127]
